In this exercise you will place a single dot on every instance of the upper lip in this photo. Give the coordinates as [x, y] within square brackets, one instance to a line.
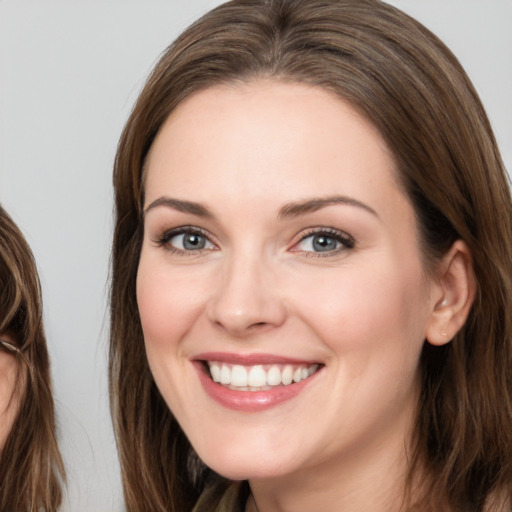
[251, 359]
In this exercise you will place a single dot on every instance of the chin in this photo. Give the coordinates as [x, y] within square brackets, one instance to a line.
[245, 467]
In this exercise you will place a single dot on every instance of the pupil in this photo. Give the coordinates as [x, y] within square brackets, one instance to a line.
[324, 243]
[193, 241]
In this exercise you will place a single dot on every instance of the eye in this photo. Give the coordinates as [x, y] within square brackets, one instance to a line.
[185, 240]
[189, 242]
[324, 242]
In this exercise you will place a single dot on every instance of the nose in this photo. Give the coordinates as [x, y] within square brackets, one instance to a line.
[247, 299]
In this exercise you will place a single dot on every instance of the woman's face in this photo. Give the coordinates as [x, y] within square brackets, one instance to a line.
[8, 399]
[278, 246]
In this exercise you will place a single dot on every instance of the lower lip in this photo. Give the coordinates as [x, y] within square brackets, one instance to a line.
[251, 401]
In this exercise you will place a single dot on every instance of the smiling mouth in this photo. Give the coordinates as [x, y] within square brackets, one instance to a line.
[258, 377]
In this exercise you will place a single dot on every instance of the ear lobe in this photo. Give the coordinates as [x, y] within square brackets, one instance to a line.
[453, 294]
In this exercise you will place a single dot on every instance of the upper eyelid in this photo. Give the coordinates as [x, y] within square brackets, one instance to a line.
[324, 230]
[183, 229]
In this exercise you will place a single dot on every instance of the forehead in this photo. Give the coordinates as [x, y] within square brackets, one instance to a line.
[259, 137]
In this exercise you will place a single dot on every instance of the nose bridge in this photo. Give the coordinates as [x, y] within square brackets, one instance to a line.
[247, 296]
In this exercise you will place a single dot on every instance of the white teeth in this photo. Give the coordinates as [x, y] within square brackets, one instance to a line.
[256, 378]
[215, 371]
[287, 375]
[238, 376]
[225, 375]
[274, 376]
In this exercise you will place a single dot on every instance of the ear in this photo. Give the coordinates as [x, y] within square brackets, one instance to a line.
[453, 293]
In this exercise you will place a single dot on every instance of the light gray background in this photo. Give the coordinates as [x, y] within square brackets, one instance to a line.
[70, 71]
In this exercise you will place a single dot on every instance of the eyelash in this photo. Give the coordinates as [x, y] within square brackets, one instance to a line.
[163, 240]
[347, 242]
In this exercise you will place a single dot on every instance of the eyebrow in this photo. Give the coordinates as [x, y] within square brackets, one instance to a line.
[181, 206]
[294, 209]
[314, 204]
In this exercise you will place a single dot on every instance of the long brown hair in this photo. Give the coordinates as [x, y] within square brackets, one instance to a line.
[31, 468]
[404, 79]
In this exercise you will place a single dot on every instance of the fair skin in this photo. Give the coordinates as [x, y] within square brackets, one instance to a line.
[8, 400]
[276, 234]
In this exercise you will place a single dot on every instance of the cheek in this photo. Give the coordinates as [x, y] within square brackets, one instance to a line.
[377, 308]
[372, 322]
[169, 301]
[169, 305]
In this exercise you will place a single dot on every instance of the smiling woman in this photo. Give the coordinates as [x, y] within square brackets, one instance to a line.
[310, 282]
[290, 309]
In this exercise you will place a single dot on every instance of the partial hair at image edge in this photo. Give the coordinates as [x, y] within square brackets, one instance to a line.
[31, 468]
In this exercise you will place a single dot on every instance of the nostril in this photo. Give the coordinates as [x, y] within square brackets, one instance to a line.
[258, 324]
